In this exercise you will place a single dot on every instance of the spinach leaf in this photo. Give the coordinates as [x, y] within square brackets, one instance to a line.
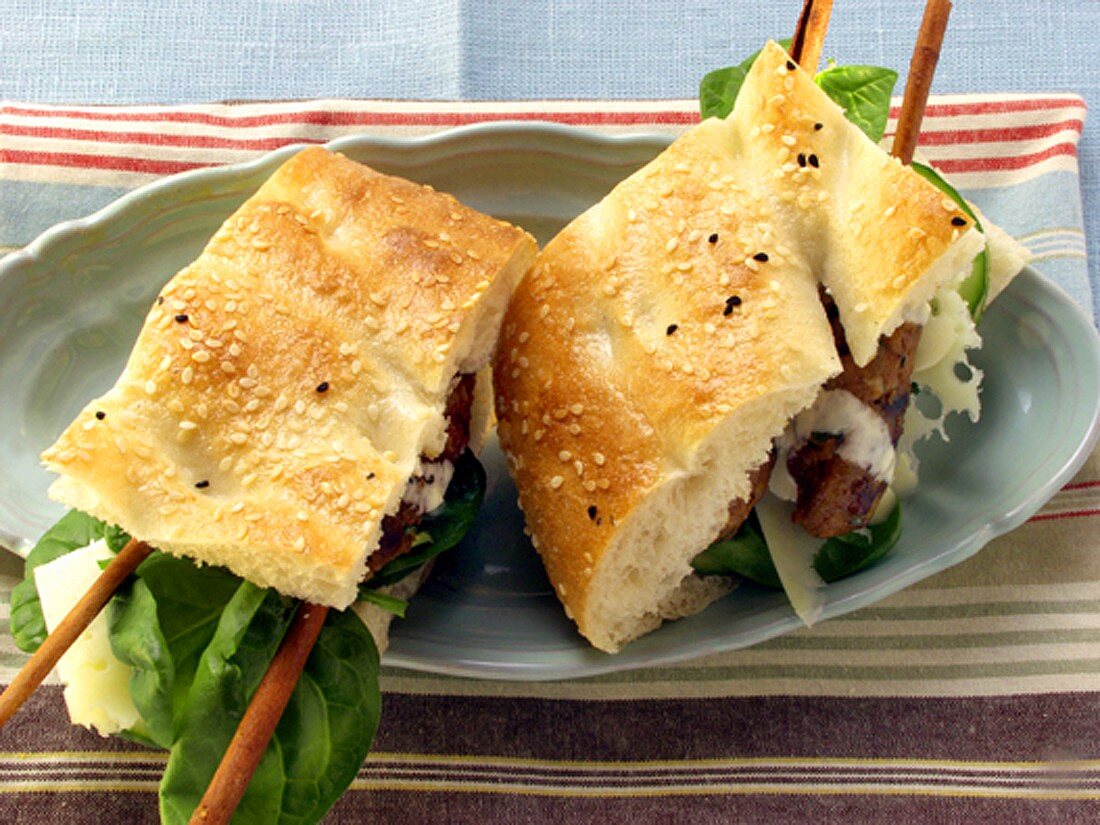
[389, 603]
[160, 624]
[844, 555]
[329, 725]
[248, 634]
[864, 94]
[975, 288]
[444, 526]
[745, 554]
[73, 531]
[718, 89]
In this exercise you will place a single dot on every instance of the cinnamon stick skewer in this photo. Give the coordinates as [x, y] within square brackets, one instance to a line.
[809, 33]
[71, 627]
[921, 68]
[258, 724]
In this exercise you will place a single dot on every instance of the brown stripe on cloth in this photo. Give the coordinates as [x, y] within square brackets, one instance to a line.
[468, 759]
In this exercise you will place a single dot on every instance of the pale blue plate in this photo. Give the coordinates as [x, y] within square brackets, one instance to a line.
[72, 303]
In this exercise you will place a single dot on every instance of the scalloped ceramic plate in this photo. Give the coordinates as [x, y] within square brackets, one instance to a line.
[71, 305]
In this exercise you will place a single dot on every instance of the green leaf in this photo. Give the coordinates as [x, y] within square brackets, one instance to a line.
[864, 94]
[329, 725]
[745, 555]
[73, 531]
[247, 636]
[718, 89]
[391, 604]
[975, 289]
[844, 555]
[160, 625]
[445, 525]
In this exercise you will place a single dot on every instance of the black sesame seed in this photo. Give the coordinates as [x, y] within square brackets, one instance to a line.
[818, 127]
[100, 414]
[731, 302]
[957, 221]
[370, 476]
[802, 160]
[592, 511]
[181, 318]
[814, 161]
[761, 256]
[713, 238]
[160, 300]
[790, 66]
[671, 329]
[202, 485]
[322, 387]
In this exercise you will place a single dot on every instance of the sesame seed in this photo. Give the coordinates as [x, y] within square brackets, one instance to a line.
[713, 238]
[731, 302]
[188, 425]
[671, 329]
[818, 127]
[322, 387]
[151, 387]
[577, 409]
[186, 375]
[603, 483]
[238, 438]
[814, 162]
[592, 512]
[589, 485]
[100, 414]
[556, 482]
[788, 140]
[761, 256]
[890, 210]
[200, 356]
[957, 221]
[790, 66]
[802, 160]
[574, 429]
[672, 243]
[751, 264]
[544, 310]
[202, 485]
[181, 318]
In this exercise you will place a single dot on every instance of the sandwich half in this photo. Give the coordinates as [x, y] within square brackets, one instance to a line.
[298, 396]
[666, 337]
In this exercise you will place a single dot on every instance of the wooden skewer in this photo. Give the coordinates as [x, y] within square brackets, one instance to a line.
[74, 623]
[809, 34]
[258, 724]
[921, 68]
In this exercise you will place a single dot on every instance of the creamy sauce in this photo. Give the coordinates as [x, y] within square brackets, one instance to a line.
[865, 438]
[429, 484]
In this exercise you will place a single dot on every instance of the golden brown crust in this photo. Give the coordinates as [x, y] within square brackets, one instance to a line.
[685, 303]
[285, 383]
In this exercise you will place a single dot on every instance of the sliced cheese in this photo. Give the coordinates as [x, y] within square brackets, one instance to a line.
[97, 685]
[793, 550]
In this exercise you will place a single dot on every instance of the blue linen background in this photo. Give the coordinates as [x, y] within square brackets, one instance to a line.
[126, 51]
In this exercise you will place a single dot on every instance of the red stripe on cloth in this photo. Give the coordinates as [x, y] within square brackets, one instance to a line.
[1067, 514]
[331, 118]
[1018, 133]
[151, 138]
[1001, 164]
[1082, 485]
[122, 164]
[987, 107]
[937, 138]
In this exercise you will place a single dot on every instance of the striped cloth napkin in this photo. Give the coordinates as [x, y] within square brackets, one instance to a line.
[972, 696]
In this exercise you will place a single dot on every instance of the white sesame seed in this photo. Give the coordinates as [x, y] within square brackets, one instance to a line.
[671, 244]
[188, 425]
[151, 387]
[577, 409]
[599, 458]
[890, 210]
[589, 485]
[788, 140]
[578, 465]
[603, 483]
[556, 482]
[200, 356]
[238, 438]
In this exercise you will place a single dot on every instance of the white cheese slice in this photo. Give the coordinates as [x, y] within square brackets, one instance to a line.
[793, 550]
[97, 685]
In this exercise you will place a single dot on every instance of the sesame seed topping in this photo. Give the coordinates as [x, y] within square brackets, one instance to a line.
[565, 455]
[589, 485]
[200, 356]
[731, 302]
[188, 425]
[544, 310]
[181, 318]
[578, 465]
[790, 66]
[818, 127]
[592, 512]
[751, 264]
[577, 409]
[713, 238]
[322, 387]
[202, 485]
[957, 221]
[788, 140]
[556, 482]
[100, 414]
[761, 256]
[151, 387]
[802, 160]
[672, 243]
[814, 162]
[671, 329]
[890, 210]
